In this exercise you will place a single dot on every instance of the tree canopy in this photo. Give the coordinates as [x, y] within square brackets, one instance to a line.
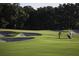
[14, 16]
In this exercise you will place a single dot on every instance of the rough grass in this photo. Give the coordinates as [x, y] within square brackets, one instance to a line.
[46, 45]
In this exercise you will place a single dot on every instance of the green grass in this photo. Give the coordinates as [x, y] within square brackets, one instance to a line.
[46, 45]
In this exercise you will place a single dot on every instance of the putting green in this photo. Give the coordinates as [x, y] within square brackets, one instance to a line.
[47, 44]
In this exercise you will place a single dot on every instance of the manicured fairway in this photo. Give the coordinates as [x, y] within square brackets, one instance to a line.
[47, 44]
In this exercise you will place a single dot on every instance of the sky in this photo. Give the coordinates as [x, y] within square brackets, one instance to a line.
[37, 5]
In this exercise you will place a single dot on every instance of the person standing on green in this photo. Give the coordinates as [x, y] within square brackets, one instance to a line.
[69, 35]
[59, 34]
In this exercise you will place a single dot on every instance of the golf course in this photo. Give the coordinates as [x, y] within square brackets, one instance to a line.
[38, 43]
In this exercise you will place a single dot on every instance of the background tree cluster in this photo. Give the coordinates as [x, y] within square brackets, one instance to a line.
[14, 16]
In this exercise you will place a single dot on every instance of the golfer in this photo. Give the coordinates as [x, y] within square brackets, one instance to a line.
[69, 35]
[59, 34]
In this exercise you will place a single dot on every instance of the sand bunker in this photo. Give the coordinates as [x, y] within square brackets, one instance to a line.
[21, 35]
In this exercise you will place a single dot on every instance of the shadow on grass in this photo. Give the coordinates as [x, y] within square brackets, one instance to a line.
[7, 33]
[12, 39]
[16, 39]
[10, 33]
[31, 34]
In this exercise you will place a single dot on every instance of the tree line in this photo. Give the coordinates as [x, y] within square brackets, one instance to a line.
[14, 16]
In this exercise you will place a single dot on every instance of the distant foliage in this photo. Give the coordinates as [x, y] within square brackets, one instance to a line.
[65, 16]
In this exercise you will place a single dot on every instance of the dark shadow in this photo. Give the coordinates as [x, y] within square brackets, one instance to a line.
[7, 33]
[15, 39]
[10, 33]
[31, 34]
